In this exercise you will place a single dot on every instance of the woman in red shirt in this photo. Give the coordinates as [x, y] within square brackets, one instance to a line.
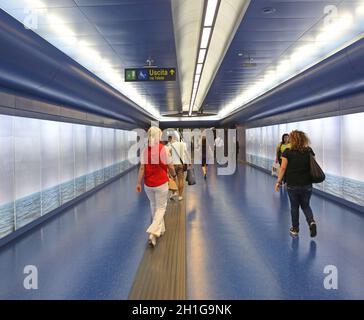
[155, 162]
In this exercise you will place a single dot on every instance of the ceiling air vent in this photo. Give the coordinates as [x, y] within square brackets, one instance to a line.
[249, 64]
[268, 10]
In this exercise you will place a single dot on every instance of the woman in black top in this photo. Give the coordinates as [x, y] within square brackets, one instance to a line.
[296, 167]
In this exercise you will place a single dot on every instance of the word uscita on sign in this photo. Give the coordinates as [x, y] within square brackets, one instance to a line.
[150, 74]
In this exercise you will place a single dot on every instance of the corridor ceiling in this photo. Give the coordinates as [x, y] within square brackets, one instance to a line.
[255, 45]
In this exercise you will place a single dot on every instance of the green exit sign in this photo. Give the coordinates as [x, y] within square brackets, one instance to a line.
[150, 74]
[130, 75]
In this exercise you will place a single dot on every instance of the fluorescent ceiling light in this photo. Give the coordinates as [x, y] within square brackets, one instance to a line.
[201, 56]
[36, 3]
[67, 32]
[84, 44]
[199, 68]
[105, 65]
[190, 112]
[308, 49]
[197, 118]
[225, 16]
[210, 13]
[284, 66]
[345, 22]
[297, 56]
[299, 60]
[55, 19]
[90, 54]
[59, 26]
[327, 36]
[270, 76]
[335, 29]
[70, 40]
[360, 10]
[205, 37]
[84, 54]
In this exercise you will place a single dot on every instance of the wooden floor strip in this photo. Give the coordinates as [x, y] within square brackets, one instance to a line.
[162, 272]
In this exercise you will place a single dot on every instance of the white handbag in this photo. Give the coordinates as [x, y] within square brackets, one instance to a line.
[275, 169]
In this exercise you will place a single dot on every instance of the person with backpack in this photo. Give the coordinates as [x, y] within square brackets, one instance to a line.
[296, 166]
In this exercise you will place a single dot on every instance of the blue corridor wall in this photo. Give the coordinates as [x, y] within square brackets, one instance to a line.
[45, 164]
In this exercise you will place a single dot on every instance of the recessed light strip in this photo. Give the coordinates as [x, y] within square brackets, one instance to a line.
[90, 58]
[210, 14]
[302, 58]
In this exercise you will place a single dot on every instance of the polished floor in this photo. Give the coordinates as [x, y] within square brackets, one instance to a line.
[237, 245]
[89, 252]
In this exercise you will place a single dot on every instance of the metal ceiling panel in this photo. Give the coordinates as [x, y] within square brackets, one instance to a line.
[313, 88]
[130, 11]
[70, 15]
[125, 33]
[21, 4]
[263, 39]
[111, 2]
[31, 67]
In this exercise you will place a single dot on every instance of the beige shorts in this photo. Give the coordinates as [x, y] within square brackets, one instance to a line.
[179, 170]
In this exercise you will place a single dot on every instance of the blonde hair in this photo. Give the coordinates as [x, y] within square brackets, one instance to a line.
[154, 136]
[298, 140]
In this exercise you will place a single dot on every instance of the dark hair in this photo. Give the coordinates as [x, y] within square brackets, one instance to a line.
[283, 136]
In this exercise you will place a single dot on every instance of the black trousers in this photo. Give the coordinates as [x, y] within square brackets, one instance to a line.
[300, 197]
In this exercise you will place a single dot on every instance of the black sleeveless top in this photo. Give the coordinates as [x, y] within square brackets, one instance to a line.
[298, 168]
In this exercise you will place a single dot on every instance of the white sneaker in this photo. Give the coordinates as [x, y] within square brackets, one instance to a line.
[152, 240]
[172, 196]
[180, 198]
